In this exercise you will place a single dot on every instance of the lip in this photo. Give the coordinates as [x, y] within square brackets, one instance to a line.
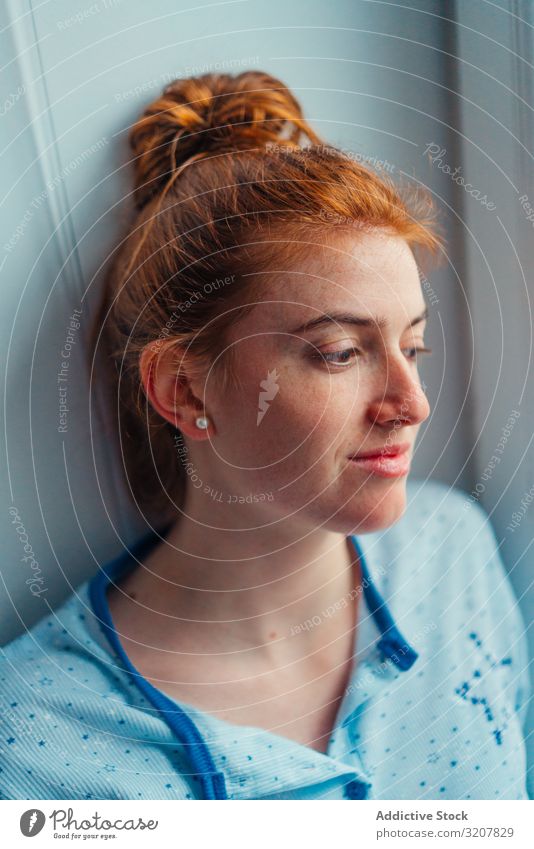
[392, 462]
[384, 451]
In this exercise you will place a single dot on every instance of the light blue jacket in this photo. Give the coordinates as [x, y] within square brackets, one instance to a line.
[435, 707]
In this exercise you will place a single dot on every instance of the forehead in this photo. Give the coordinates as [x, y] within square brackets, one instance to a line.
[371, 274]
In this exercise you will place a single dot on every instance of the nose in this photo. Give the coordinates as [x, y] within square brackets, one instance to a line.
[399, 395]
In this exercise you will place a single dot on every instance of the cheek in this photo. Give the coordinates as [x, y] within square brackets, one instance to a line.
[284, 410]
[293, 422]
[320, 409]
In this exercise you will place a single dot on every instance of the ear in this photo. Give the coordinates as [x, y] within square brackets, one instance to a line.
[164, 374]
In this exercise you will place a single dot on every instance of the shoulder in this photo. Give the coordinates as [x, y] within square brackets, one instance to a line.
[452, 554]
[72, 722]
[435, 512]
[445, 521]
[442, 562]
[64, 646]
[450, 542]
[456, 530]
[436, 502]
[427, 541]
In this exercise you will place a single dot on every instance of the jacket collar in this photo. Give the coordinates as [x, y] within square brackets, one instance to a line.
[225, 768]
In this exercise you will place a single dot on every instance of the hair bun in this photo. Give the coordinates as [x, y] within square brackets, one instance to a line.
[196, 116]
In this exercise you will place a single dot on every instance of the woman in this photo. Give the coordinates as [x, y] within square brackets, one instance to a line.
[303, 624]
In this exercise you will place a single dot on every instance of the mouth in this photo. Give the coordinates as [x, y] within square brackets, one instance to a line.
[389, 461]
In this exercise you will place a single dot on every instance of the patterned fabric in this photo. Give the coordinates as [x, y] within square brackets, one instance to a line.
[435, 707]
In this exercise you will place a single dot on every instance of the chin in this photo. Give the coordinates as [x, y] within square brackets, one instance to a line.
[369, 512]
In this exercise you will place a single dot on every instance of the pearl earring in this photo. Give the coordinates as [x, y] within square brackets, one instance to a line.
[202, 422]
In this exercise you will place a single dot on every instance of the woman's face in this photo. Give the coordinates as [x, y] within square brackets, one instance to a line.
[311, 392]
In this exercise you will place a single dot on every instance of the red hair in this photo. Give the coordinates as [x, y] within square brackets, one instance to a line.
[223, 187]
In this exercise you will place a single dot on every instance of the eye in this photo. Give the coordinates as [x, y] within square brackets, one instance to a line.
[337, 358]
[413, 352]
[347, 356]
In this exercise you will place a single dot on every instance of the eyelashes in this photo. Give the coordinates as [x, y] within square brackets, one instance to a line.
[421, 350]
[329, 357]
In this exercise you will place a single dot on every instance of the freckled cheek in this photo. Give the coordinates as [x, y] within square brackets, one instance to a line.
[280, 408]
[325, 407]
[304, 427]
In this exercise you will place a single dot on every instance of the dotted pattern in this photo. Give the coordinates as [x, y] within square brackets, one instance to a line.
[74, 724]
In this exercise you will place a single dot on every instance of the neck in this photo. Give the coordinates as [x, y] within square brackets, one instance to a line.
[277, 584]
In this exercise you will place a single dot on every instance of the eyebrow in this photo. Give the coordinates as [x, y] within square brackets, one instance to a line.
[349, 318]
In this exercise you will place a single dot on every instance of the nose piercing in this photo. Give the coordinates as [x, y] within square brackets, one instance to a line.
[202, 422]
